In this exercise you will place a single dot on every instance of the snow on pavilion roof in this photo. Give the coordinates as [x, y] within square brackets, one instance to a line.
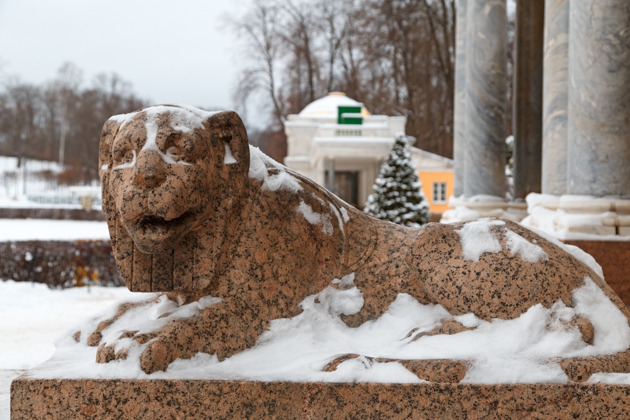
[327, 106]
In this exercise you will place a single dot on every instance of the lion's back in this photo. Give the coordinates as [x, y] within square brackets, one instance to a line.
[496, 269]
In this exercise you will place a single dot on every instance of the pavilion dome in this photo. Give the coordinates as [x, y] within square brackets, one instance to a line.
[326, 107]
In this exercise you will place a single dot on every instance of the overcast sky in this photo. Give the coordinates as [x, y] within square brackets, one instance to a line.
[172, 51]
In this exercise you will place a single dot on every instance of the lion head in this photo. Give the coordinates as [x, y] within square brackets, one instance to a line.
[168, 171]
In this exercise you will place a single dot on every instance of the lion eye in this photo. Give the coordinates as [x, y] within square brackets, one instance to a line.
[123, 156]
[175, 154]
[172, 151]
[124, 159]
[129, 156]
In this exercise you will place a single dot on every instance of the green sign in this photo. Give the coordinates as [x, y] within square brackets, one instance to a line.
[349, 115]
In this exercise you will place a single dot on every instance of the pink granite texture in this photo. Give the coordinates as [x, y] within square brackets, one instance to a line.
[180, 399]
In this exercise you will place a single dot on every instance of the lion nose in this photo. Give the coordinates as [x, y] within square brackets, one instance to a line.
[150, 171]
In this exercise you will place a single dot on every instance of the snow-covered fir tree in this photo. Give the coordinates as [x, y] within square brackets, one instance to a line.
[397, 195]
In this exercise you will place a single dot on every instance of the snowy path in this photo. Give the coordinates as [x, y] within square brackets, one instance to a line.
[32, 316]
[44, 229]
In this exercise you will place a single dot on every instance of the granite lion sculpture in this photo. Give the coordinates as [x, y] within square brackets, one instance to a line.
[193, 210]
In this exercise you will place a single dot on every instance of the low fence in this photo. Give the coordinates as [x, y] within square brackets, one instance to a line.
[59, 264]
[51, 213]
[52, 199]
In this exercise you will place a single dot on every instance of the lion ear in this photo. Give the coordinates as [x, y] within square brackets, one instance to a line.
[120, 239]
[228, 128]
[105, 146]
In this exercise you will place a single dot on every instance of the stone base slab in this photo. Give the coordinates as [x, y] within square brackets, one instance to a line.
[185, 399]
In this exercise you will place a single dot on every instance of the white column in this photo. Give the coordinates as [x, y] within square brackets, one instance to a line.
[599, 98]
[486, 45]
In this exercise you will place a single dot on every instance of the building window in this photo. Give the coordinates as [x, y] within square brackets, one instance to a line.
[348, 132]
[346, 186]
[439, 193]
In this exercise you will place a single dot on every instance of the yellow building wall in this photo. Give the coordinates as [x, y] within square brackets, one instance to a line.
[427, 179]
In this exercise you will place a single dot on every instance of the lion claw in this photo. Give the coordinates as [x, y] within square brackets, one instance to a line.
[157, 356]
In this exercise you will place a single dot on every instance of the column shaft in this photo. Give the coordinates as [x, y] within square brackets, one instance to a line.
[555, 97]
[599, 95]
[459, 103]
[486, 44]
[528, 80]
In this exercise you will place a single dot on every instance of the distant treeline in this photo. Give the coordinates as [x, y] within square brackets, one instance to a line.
[61, 120]
[395, 56]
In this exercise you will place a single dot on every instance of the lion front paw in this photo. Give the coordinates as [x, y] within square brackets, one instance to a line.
[179, 340]
[96, 337]
[153, 332]
[222, 330]
[157, 350]
[157, 356]
[110, 352]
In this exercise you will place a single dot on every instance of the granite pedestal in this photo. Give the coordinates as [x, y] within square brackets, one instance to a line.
[185, 399]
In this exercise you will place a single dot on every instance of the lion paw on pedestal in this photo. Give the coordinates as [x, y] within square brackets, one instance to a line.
[172, 329]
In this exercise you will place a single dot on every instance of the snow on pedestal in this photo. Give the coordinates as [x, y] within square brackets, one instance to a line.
[520, 350]
[297, 349]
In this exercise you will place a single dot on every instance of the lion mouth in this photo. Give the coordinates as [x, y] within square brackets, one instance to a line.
[158, 225]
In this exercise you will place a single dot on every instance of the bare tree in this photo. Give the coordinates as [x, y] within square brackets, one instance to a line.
[335, 20]
[61, 121]
[298, 33]
[67, 83]
[51, 118]
[22, 107]
[394, 56]
[262, 46]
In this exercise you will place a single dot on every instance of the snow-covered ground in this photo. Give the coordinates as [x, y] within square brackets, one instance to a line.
[31, 177]
[32, 316]
[44, 229]
[34, 184]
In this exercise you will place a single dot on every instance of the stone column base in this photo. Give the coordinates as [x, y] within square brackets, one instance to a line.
[572, 217]
[476, 207]
[185, 399]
